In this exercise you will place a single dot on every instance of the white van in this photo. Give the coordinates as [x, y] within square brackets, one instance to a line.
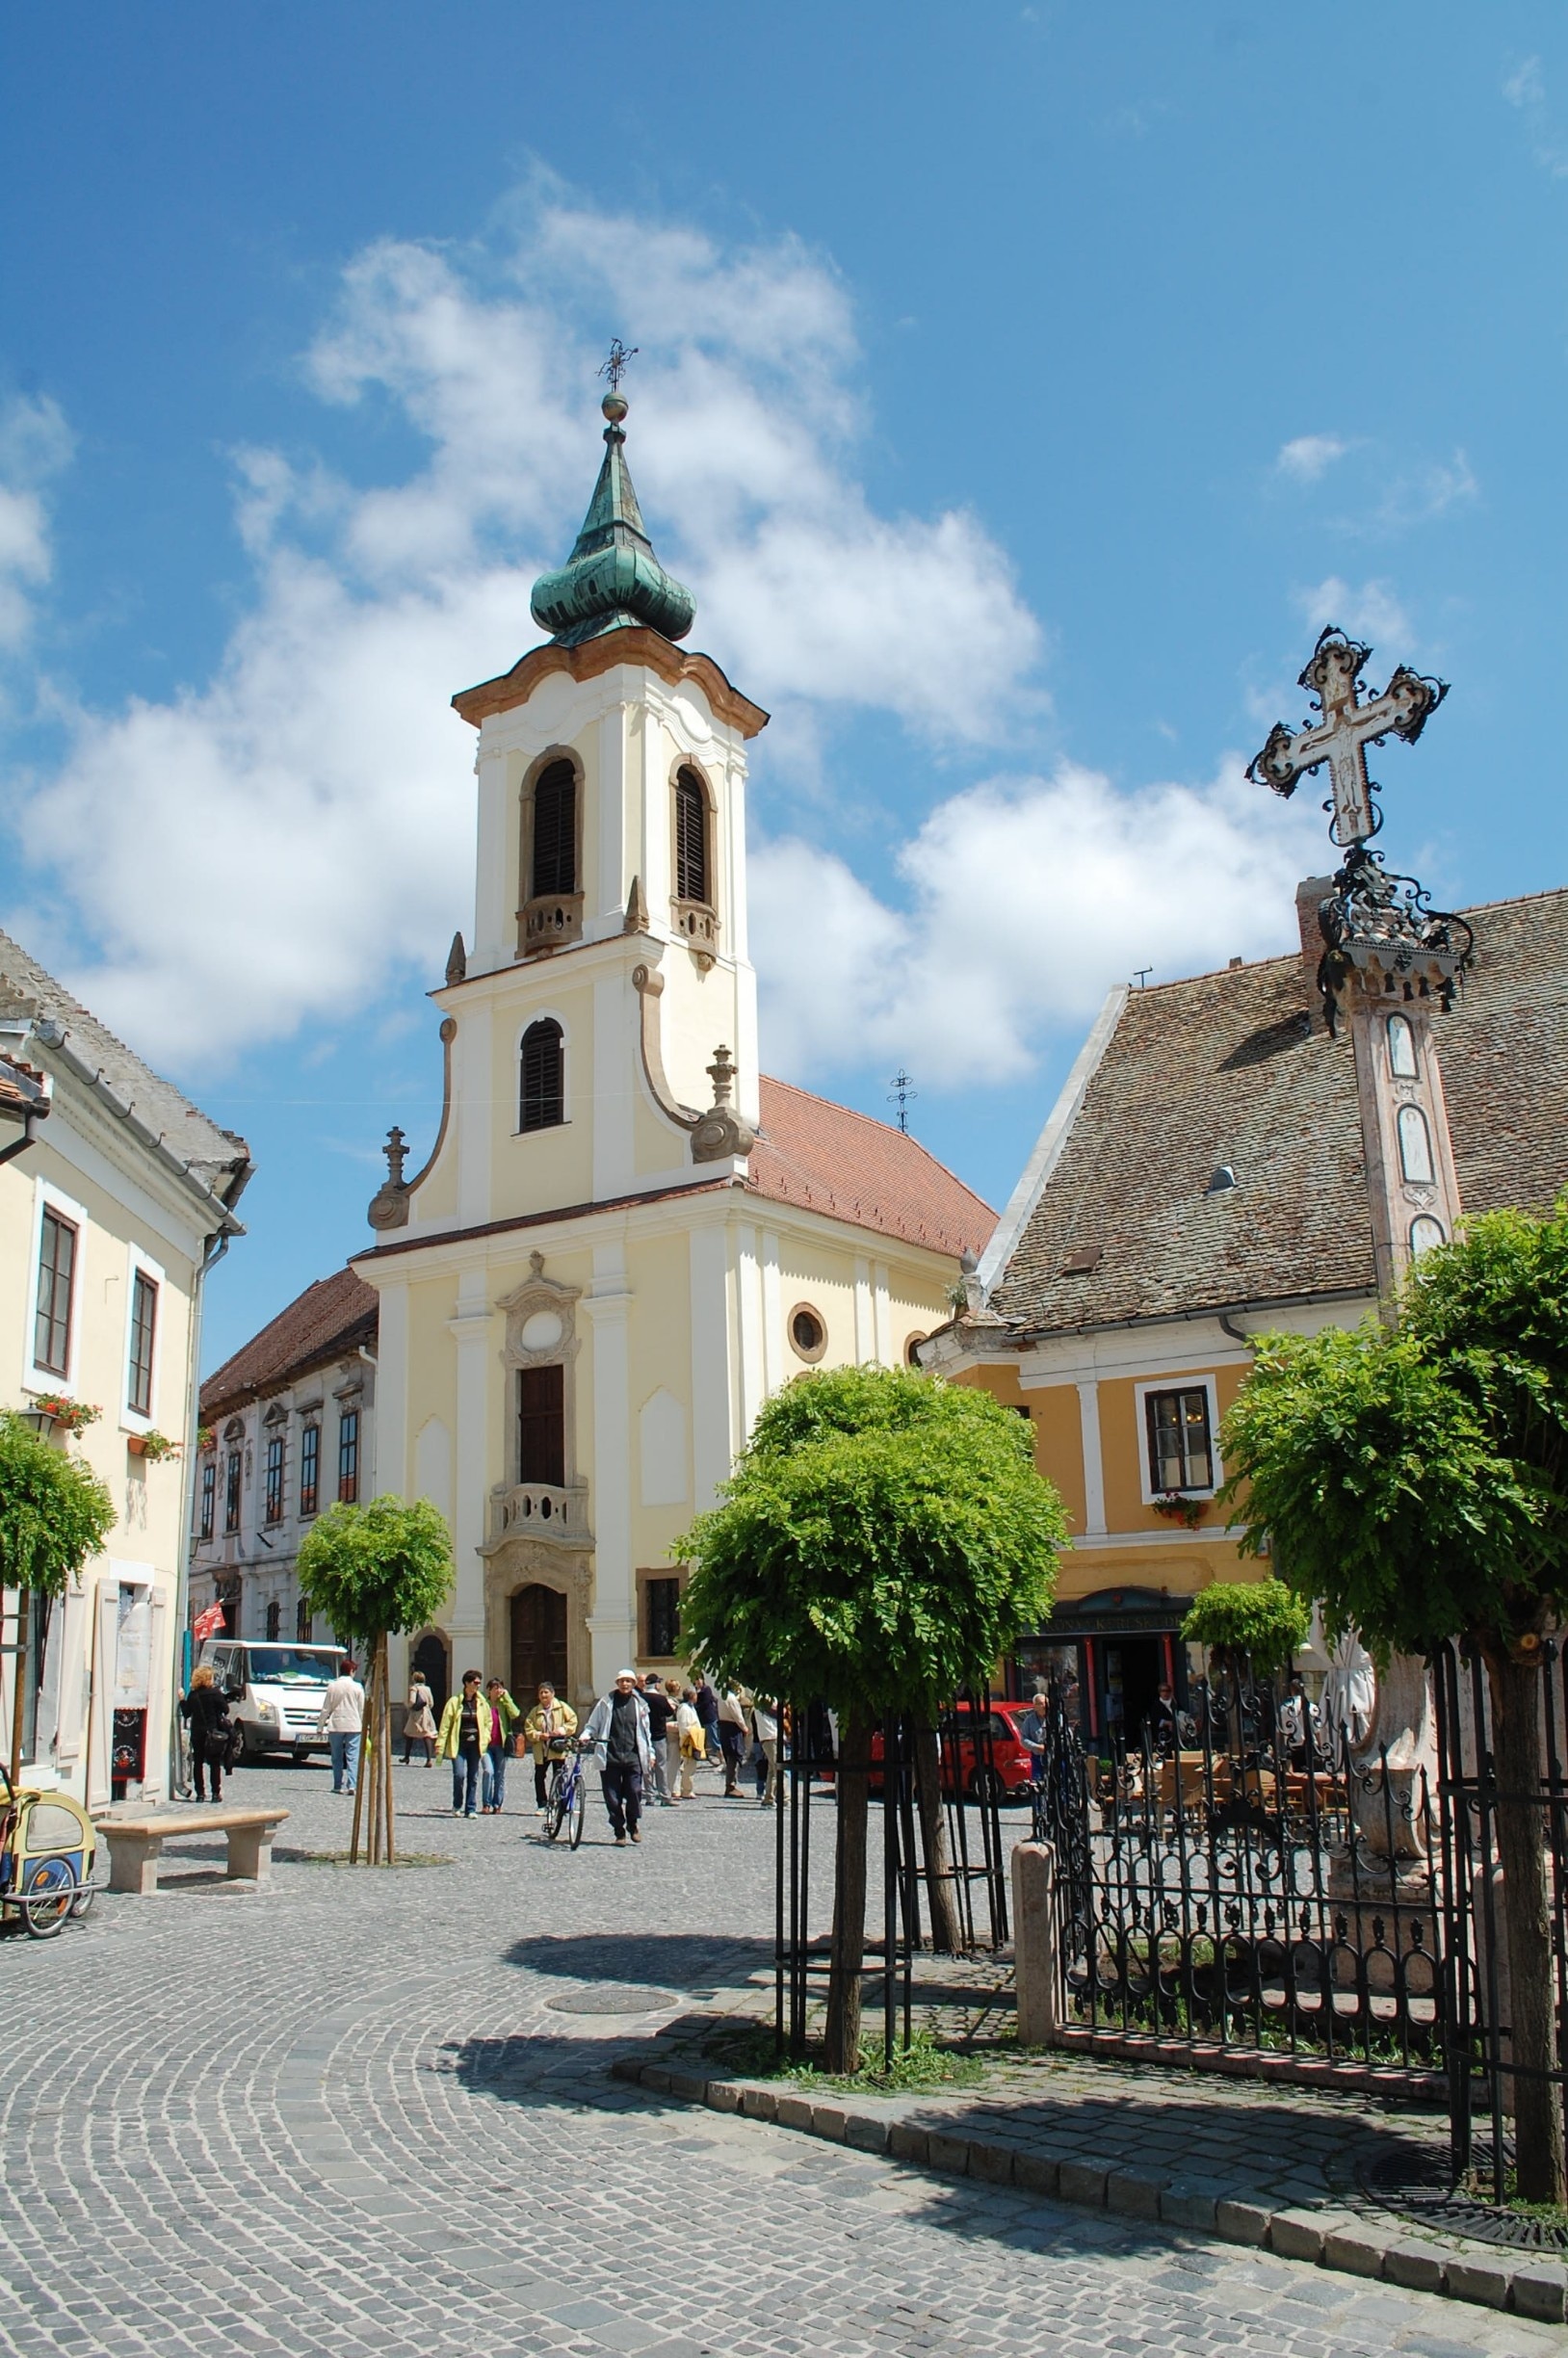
[275, 1691]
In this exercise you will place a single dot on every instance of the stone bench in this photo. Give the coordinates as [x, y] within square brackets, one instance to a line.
[135, 1843]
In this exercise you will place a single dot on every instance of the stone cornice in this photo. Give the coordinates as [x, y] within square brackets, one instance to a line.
[648, 648]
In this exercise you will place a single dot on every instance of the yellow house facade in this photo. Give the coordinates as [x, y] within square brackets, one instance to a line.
[624, 1237]
[115, 1195]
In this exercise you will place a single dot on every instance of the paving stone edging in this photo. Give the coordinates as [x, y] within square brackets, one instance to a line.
[1348, 2241]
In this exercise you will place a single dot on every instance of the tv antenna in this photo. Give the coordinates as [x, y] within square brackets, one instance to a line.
[902, 1094]
[1141, 975]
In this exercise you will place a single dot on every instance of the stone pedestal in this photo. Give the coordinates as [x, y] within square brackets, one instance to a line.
[1036, 1944]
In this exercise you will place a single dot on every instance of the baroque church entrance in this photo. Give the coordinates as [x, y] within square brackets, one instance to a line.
[539, 1642]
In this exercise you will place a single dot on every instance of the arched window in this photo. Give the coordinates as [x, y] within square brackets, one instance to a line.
[1401, 1049]
[542, 1098]
[1414, 1146]
[690, 837]
[555, 831]
[1425, 1233]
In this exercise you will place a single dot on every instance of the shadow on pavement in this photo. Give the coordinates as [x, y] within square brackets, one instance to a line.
[688, 1962]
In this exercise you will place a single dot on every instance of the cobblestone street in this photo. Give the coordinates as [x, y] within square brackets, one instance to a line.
[373, 2112]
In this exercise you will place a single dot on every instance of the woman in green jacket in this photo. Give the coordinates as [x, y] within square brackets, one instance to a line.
[466, 1727]
[504, 1718]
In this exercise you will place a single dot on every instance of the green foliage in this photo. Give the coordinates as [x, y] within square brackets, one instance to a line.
[883, 1540]
[1414, 1475]
[378, 1569]
[54, 1510]
[1261, 1619]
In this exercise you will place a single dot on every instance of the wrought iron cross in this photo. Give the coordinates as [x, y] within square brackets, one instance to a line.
[614, 368]
[1347, 728]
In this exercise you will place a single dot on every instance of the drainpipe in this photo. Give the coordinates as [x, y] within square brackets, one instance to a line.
[20, 1146]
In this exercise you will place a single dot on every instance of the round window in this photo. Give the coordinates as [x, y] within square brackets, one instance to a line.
[543, 1330]
[808, 1335]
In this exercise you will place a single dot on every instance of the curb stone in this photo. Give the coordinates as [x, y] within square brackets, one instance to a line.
[1349, 2242]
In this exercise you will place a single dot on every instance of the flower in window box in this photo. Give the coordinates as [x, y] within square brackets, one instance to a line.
[1177, 1506]
[153, 1446]
[206, 1437]
[70, 1415]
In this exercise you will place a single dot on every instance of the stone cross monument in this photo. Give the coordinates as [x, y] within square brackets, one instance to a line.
[1390, 961]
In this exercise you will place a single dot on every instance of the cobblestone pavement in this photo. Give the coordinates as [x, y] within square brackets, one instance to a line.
[364, 2113]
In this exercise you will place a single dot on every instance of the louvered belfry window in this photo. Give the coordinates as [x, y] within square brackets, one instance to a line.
[555, 829]
[690, 837]
[544, 1095]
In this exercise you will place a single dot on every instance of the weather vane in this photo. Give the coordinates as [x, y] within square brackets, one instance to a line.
[902, 1095]
[614, 368]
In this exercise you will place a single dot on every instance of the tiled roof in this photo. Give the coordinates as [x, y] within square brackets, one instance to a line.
[327, 1321]
[23, 1089]
[810, 1151]
[1237, 1068]
[219, 1159]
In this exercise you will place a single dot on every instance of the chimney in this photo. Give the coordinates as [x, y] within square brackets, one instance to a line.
[1308, 894]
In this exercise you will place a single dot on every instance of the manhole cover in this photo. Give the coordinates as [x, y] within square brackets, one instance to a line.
[612, 1997]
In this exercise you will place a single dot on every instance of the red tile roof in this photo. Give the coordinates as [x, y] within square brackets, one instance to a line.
[23, 1089]
[328, 1321]
[810, 1151]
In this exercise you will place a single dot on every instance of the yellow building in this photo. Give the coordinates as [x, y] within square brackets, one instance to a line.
[1203, 1178]
[116, 1193]
[624, 1237]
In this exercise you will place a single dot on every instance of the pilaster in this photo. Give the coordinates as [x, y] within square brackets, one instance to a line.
[471, 1331]
[613, 1622]
[1094, 1479]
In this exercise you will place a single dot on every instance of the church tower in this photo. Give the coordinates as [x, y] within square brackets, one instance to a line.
[581, 1310]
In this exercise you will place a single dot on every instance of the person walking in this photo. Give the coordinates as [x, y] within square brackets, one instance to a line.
[419, 1725]
[464, 1740]
[690, 1742]
[675, 1764]
[341, 1720]
[549, 1716]
[504, 1718]
[617, 1729]
[732, 1740]
[765, 1729]
[707, 1704]
[205, 1710]
[661, 1711]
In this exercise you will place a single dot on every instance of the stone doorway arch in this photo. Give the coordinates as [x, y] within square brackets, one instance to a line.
[431, 1661]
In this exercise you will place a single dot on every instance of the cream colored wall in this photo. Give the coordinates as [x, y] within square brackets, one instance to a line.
[545, 1167]
[80, 1155]
[658, 1269]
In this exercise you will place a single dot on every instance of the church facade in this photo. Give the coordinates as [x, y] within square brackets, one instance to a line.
[624, 1237]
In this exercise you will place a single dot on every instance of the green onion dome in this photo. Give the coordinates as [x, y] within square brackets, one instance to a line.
[612, 580]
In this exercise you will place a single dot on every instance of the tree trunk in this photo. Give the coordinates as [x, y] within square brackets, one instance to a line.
[846, 1956]
[1517, 1735]
[947, 1928]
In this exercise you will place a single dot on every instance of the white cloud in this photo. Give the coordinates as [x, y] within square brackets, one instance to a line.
[1310, 455]
[265, 851]
[35, 444]
[1427, 493]
[1523, 87]
[1028, 897]
[1373, 611]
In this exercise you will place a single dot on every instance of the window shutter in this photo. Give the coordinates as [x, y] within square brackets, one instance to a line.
[543, 1100]
[555, 829]
[541, 1425]
[690, 837]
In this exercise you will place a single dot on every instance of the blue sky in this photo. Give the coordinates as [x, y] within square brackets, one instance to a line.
[1020, 389]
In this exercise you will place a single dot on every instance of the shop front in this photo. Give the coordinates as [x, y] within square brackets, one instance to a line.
[1107, 1655]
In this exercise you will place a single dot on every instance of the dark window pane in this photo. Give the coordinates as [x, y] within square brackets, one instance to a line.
[541, 1425]
[209, 1497]
[662, 1612]
[275, 1618]
[301, 1622]
[690, 837]
[1180, 1457]
[57, 1267]
[311, 1468]
[543, 1099]
[231, 1492]
[143, 1321]
[555, 829]
[273, 1509]
[347, 1456]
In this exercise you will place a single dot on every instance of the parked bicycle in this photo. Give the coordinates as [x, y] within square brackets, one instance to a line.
[565, 1792]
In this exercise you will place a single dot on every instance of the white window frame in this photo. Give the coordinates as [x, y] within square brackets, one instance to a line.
[544, 1014]
[131, 1420]
[1177, 1383]
[50, 1198]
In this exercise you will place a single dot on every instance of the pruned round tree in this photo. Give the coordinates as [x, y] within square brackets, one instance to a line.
[1261, 1623]
[882, 1542]
[1414, 1477]
[54, 1514]
[377, 1570]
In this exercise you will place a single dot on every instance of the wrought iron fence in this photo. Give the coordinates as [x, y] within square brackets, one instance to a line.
[942, 1862]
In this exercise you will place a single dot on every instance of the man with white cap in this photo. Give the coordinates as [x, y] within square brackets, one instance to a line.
[618, 1730]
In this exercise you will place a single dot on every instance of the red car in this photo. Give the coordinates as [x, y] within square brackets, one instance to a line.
[1010, 1765]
